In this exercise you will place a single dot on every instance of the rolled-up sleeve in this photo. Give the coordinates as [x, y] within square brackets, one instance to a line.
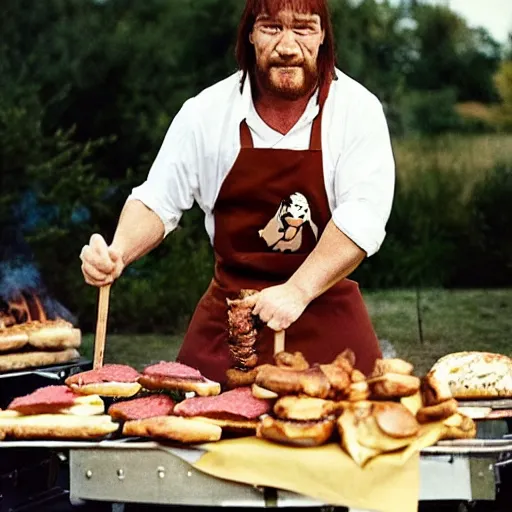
[173, 178]
[365, 180]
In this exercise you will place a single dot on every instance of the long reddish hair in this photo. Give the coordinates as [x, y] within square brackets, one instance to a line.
[246, 57]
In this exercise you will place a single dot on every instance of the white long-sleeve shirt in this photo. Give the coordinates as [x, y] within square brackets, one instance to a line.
[203, 142]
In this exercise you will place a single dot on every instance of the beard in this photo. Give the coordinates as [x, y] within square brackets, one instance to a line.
[286, 80]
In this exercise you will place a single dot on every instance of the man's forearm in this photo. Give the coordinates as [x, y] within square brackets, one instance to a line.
[334, 258]
[138, 232]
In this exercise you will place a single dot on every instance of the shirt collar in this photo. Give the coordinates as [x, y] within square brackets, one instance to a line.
[247, 105]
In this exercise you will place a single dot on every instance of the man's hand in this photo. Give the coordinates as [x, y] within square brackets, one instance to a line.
[278, 306]
[101, 264]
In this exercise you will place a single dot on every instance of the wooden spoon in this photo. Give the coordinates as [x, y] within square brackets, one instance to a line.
[101, 326]
[279, 342]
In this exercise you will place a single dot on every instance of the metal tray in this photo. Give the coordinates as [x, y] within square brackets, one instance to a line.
[498, 403]
[457, 446]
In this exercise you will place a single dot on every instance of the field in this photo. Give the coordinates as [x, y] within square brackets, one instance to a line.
[470, 154]
[467, 159]
[451, 321]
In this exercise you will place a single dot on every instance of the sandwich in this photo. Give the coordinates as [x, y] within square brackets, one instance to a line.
[114, 380]
[36, 343]
[300, 421]
[47, 335]
[56, 412]
[57, 400]
[30, 359]
[301, 434]
[236, 410]
[173, 376]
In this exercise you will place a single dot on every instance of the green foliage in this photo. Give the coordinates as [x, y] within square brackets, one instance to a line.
[452, 55]
[438, 237]
[485, 254]
[162, 289]
[503, 80]
[429, 112]
[87, 92]
[426, 224]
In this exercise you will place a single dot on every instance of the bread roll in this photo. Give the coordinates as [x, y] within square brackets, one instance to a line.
[200, 387]
[174, 428]
[296, 433]
[112, 389]
[57, 426]
[304, 408]
[437, 412]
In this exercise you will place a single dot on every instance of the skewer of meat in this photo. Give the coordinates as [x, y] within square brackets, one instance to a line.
[243, 329]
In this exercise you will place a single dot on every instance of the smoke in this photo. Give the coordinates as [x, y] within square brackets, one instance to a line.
[15, 279]
[388, 350]
[20, 277]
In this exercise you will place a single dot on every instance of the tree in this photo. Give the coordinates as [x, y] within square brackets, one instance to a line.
[503, 80]
[452, 55]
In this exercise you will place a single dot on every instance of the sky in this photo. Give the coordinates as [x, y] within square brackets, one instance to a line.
[494, 15]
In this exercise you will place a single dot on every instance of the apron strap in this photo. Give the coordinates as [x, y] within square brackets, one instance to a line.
[245, 136]
[315, 141]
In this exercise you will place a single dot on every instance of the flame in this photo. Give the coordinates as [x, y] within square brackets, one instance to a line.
[25, 307]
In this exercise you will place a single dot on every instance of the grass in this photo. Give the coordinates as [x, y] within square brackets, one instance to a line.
[452, 321]
[467, 155]
[453, 152]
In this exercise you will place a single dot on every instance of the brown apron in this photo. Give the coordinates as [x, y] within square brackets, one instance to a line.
[271, 210]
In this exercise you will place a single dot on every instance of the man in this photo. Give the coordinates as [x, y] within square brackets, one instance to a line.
[291, 161]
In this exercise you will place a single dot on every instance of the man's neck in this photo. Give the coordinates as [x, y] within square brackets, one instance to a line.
[280, 114]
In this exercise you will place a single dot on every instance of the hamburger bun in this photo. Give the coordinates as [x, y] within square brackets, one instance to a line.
[296, 433]
[199, 387]
[242, 426]
[56, 426]
[304, 408]
[174, 428]
[112, 389]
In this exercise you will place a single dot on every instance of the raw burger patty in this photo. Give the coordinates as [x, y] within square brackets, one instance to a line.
[141, 408]
[238, 402]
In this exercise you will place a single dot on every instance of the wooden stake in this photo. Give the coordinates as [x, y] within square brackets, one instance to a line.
[279, 342]
[101, 326]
